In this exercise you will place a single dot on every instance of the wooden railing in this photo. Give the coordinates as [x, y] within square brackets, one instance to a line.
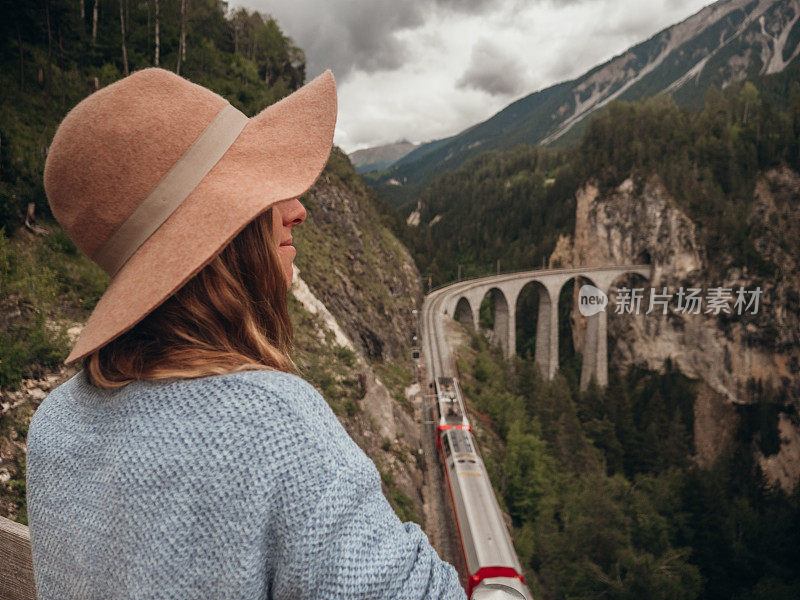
[16, 563]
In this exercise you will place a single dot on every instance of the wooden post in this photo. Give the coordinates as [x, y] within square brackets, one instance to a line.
[16, 567]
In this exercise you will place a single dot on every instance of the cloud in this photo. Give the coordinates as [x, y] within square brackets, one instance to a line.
[493, 70]
[349, 36]
[425, 69]
[467, 6]
[346, 36]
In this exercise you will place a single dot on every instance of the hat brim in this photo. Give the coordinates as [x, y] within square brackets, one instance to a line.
[279, 155]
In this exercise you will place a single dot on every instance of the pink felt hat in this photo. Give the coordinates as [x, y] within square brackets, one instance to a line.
[153, 175]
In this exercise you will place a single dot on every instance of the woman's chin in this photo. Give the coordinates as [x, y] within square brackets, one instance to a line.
[289, 276]
[287, 254]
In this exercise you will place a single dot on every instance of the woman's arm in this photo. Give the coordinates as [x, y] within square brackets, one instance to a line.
[355, 547]
[336, 536]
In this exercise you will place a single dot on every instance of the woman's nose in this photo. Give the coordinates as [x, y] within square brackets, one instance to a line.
[293, 213]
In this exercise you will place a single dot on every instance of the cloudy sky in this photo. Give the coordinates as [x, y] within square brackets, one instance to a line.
[427, 69]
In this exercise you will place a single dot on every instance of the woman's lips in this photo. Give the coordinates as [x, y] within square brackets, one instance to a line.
[287, 249]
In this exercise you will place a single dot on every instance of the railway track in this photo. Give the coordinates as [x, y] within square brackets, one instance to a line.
[441, 523]
[484, 553]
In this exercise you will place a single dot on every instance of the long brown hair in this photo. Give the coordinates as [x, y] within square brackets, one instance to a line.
[231, 316]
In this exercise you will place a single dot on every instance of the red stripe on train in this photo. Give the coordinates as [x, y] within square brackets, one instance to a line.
[446, 427]
[488, 573]
[455, 512]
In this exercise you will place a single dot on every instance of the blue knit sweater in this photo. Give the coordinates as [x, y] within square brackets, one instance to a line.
[242, 485]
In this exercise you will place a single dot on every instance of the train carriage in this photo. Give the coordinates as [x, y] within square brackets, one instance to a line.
[450, 405]
[493, 569]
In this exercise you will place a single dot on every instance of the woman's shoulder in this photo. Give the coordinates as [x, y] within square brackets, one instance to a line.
[270, 381]
[255, 402]
[267, 403]
[258, 421]
[286, 413]
[267, 392]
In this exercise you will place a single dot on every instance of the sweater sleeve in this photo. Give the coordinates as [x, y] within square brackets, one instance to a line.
[366, 552]
[348, 543]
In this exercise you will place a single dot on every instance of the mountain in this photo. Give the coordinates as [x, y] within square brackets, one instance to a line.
[725, 42]
[698, 429]
[380, 157]
[708, 196]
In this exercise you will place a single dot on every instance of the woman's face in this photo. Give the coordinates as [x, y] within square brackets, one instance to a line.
[285, 215]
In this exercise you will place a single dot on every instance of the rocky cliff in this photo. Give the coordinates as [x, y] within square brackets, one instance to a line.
[356, 293]
[736, 356]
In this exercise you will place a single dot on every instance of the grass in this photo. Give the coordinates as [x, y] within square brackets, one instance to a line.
[397, 377]
[15, 491]
[399, 500]
[45, 286]
[328, 366]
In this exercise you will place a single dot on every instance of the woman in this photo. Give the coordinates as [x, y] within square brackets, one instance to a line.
[185, 460]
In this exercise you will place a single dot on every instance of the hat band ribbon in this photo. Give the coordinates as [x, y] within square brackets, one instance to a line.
[170, 192]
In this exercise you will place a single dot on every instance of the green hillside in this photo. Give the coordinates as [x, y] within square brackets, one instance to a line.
[49, 59]
[605, 498]
[511, 206]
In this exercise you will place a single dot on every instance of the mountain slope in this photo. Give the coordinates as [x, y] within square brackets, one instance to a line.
[380, 157]
[726, 42]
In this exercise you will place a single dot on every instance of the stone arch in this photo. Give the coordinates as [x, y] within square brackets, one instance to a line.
[629, 279]
[505, 291]
[463, 313]
[533, 308]
[584, 331]
[583, 278]
[595, 352]
[501, 330]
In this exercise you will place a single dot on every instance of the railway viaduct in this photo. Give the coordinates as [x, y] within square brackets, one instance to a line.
[462, 301]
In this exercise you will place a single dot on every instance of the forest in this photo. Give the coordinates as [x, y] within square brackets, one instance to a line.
[54, 53]
[605, 497]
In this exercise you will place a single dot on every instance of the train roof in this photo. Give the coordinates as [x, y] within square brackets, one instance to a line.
[484, 534]
[452, 412]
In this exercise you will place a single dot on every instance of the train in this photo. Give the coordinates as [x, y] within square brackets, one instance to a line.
[493, 569]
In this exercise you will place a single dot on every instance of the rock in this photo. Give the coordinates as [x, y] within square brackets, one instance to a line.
[74, 333]
[782, 468]
[369, 282]
[379, 404]
[640, 222]
[37, 393]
